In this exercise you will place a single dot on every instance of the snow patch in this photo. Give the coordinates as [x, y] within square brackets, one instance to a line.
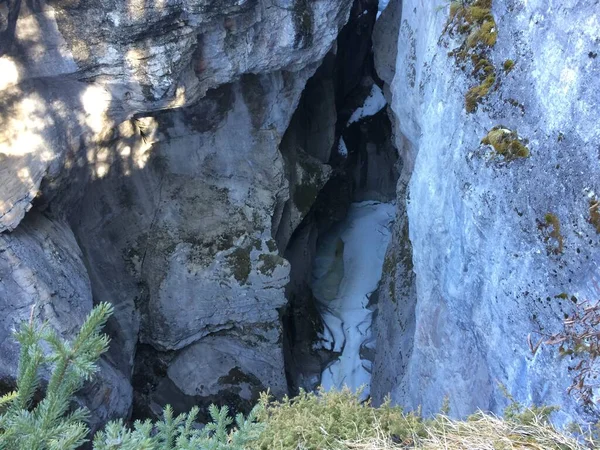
[342, 149]
[347, 269]
[374, 103]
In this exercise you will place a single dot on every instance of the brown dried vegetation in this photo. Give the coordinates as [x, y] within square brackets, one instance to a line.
[580, 341]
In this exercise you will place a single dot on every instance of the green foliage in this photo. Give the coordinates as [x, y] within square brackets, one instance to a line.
[51, 423]
[328, 420]
[180, 433]
[526, 415]
[323, 420]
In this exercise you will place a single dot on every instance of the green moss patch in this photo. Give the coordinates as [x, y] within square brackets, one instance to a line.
[485, 35]
[239, 261]
[474, 22]
[478, 93]
[552, 235]
[310, 184]
[305, 195]
[269, 263]
[595, 214]
[508, 65]
[506, 143]
[272, 245]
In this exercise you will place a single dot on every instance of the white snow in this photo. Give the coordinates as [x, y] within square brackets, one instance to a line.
[347, 269]
[374, 103]
[342, 149]
[382, 5]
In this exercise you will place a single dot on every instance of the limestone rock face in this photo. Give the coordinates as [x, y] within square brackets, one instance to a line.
[188, 241]
[71, 72]
[149, 137]
[473, 268]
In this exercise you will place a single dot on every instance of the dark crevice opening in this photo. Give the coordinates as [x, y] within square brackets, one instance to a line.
[369, 171]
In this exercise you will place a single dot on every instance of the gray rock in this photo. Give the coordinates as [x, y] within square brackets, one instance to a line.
[483, 273]
[155, 131]
[186, 239]
[72, 73]
[43, 278]
[385, 42]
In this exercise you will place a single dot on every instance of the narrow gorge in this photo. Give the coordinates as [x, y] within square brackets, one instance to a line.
[282, 194]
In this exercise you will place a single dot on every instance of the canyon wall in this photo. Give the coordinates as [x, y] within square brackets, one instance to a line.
[490, 244]
[140, 165]
[181, 158]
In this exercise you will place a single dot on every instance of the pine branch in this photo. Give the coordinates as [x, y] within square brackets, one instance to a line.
[49, 426]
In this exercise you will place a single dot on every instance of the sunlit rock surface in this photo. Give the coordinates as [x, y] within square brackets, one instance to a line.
[480, 272]
[71, 72]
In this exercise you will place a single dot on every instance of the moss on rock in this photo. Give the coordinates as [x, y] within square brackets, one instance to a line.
[474, 95]
[269, 263]
[506, 143]
[595, 214]
[303, 23]
[553, 237]
[309, 185]
[508, 65]
[272, 245]
[475, 22]
[239, 261]
[305, 195]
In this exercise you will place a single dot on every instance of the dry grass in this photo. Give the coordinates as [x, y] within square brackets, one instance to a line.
[479, 432]
[340, 421]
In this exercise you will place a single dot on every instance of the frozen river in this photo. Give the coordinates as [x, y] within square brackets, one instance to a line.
[347, 269]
